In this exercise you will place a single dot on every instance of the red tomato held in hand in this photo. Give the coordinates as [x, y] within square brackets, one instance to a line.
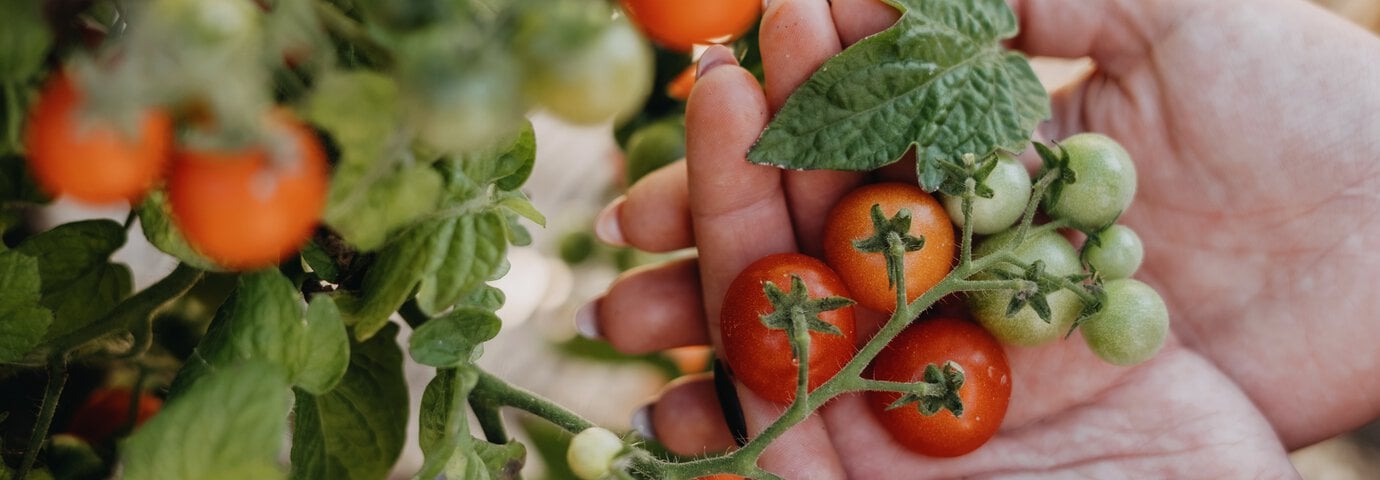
[865, 273]
[244, 209]
[106, 411]
[90, 161]
[679, 25]
[985, 392]
[761, 357]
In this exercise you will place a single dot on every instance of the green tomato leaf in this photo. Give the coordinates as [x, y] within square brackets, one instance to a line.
[938, 79]
[485, 297]
[25, 320]
[357, 430]
[24, 39]
[80, 285]
[320, 262]
[392, 278]
[472, 249]
[517, 202]
[503, 462]
[372, 210]
[514, 165]
[228, 426]
[451, 340]
[443, 422]
[264, 320]
[372, 193]
[155, 218]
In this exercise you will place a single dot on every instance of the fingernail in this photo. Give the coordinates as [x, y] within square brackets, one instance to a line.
[607, 226]
[713, 57]
[642, 422]
[587, 320]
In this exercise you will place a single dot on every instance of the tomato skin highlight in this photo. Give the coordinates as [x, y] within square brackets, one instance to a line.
[986, 389]
[93, 162]
[679, 25]
[240, 210]
[761, 357]
[106, 411]
[866, 273]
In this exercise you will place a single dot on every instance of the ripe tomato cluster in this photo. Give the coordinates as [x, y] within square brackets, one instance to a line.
[244, 208]
[1125, 325]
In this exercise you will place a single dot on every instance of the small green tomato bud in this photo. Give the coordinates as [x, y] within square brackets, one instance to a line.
[592, 452]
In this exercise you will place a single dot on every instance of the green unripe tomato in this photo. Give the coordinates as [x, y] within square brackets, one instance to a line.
[1105, 185]
[1026, 328]
[592, 452]
[1117, 255]
[1131, 327]
[608, 77]
[655, 146]
[1010, 185]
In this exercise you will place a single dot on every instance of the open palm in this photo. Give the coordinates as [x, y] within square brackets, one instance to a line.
[1231, 207]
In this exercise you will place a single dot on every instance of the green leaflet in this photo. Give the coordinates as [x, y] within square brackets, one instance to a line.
[938, 79]
[448, 258]
[373, 190]
[443, 423]
[24, 39]
[355, 431]
[451, 340]
[229, 426]
[23, 321]
[80, 285]
[264, 321]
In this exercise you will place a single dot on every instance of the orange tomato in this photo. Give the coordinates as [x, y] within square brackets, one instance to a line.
[247, 209]
[679, 25]
[91, 161]
[680, 87]
[865, 273]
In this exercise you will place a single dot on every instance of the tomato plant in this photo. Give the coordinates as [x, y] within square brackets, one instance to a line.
[94, 160]
[106, 412]
[251, 207]
[682, 25]
[851, 221]
[985, 392]
[762, 357]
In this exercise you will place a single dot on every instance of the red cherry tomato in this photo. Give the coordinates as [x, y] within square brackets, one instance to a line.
[106, 411]
[244, 210]
[761, 357]
[91, 161]
[679, 25]
[865, 273]
[985, 392]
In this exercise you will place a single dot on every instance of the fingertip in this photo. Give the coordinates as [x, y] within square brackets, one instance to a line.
[587, 320]
[608, 225]
[714, 57]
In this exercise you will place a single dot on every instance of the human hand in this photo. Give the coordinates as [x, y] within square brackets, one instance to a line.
[1165, 104]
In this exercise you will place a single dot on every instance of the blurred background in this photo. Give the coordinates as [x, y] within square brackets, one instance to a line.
[565, 267]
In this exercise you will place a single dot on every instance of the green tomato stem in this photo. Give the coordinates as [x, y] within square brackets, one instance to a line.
[135, 309]
[1036, 194]
[57, 379]
[919, 388]
[494, 391]
[490, 421]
